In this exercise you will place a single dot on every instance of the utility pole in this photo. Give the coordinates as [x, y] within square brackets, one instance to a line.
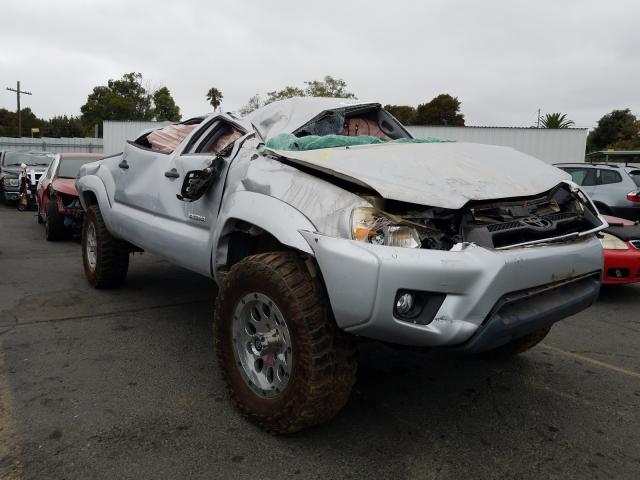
[18, 92]
[538, 124]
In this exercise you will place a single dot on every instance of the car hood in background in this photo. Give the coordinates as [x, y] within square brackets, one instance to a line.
[445, 175]
[15, 170]
[65, 185]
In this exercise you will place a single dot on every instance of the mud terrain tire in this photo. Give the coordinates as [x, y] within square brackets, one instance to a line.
[104, 257]
[323, 358]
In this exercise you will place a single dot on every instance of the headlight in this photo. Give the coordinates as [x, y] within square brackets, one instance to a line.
[11, 182]
[609, 242]
[379, 228]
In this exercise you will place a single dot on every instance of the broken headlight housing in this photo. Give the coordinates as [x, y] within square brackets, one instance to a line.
[380, 228]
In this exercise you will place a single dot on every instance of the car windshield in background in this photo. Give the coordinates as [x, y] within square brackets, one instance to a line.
[18, 158]
[69, 167]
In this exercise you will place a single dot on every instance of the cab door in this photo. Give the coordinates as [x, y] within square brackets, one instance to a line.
[137, 177]
[187, 225]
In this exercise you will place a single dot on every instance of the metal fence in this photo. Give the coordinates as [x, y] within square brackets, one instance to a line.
[116, 133]
[548, 144]
[55, 145]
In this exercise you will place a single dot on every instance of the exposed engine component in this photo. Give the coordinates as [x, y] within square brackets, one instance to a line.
[494, 224]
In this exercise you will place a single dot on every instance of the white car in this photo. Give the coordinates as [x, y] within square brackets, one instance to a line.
[322, 220]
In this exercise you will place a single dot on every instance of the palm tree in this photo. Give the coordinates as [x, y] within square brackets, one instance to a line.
[556, 120]
[214, 96]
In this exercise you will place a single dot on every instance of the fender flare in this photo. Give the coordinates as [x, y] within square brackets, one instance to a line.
[93, 184]
[272, 215]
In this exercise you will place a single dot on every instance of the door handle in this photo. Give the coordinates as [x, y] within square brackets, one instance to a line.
[173, 173]
[123, 164]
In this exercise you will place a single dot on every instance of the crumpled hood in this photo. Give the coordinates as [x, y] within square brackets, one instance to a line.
[445, 175]
[65, 185]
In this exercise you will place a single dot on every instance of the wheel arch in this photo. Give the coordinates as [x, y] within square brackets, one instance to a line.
[92, 191]
[255, 223]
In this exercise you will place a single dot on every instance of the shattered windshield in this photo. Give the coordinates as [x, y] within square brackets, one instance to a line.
[32, 159]
[370, 120]
[344, 127]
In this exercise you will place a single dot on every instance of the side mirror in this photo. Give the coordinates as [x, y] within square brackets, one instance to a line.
[197, 182]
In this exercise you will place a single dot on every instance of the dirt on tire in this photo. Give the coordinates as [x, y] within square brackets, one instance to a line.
[324, 357]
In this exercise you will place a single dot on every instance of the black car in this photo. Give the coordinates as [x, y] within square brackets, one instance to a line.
[11, 165]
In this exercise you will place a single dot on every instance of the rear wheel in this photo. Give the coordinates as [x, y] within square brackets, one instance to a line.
[520, 345]
[286, 364]
[104, 257]
[54, 222]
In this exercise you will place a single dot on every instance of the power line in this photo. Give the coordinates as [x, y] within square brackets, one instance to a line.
[18, 92]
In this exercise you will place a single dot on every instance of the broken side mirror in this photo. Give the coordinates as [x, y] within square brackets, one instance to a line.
[197, 182]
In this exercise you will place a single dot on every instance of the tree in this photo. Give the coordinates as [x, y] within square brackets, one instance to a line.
[406, 114]
[286, 92]
[8, 123]
[165, 107]
[329, 87]
[127, 99]
[214, 97]
[556, 120]
[618, 129]
[63, 126]
[252, 104]
[441, 110]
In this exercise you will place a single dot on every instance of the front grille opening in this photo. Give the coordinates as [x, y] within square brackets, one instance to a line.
[618, 273]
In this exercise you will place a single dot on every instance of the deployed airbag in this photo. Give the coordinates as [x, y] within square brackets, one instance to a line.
[166, 139]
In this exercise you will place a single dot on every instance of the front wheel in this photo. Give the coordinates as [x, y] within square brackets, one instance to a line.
[104, 257]
[53, 222]
[286, 364]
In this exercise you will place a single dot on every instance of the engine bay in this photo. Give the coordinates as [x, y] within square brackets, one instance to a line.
[560, 212]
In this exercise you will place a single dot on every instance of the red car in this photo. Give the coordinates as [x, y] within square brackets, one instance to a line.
[58, 204]
[621, 243]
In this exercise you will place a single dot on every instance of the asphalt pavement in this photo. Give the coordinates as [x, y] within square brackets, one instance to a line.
[123, 384]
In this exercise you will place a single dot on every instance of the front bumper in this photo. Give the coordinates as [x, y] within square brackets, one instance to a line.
[362, 281]
[621, 266]
[11, 193]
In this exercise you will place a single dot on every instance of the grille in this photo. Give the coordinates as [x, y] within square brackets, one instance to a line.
[498, 227]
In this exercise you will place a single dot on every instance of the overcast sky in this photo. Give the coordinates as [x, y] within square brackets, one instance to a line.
[502, 59]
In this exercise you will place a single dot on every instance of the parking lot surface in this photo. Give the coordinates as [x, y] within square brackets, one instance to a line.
[123, 384]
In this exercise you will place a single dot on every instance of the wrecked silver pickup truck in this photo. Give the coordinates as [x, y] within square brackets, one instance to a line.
[322, 220]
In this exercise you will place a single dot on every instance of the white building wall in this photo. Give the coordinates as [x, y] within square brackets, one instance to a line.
[54, 145]
[116, 133]
[549, 145]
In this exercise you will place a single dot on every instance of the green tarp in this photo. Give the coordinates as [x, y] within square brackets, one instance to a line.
[287, 141]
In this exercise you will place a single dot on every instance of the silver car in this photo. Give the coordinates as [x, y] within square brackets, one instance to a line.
[323, 220]
[613, 188]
